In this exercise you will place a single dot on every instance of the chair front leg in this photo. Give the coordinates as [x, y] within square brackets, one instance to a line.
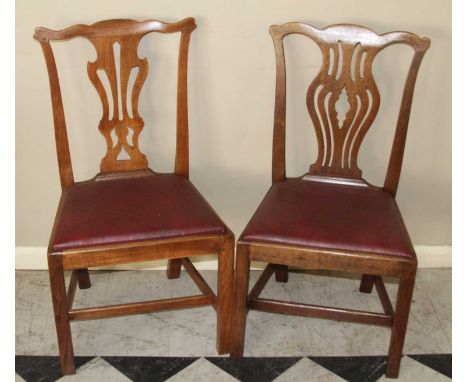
[84, 281]
[173, 268]
[62, 322]
[224, 300]
[400, 321]
[241, 287]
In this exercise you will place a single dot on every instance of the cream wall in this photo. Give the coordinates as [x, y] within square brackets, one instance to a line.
[231, 99]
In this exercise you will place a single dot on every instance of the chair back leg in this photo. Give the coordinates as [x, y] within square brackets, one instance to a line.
[281, 273]
[84, 281]
[173, 268]
[367, 282]
[400, 321]
[62, 322]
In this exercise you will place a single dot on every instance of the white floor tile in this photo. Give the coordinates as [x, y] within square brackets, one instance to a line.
[96, 370]
[411, 371]
[306, 370]
[202, 370]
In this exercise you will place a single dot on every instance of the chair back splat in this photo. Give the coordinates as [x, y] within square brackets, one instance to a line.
[348, 52]
[116, 43]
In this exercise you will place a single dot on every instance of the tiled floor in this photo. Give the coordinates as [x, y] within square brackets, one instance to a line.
[167, 346]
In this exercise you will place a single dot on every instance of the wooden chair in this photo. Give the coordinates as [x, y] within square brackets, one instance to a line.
[331, 218]
[128, 213]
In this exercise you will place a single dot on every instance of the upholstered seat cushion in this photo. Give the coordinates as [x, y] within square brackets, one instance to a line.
[125, 210]
[330, 216]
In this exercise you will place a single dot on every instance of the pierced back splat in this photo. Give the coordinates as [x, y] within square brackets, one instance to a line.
[116, 43]
[343, 99]
[120, 121]
[340, 134]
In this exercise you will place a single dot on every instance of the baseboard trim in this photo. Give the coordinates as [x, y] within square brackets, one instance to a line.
[34, 258]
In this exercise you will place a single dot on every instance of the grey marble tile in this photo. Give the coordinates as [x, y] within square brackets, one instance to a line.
[437, 285]
[202, 370]
[425, 333]
[32, 290]
[23, 319]
[269, 335]
[97, 294]
[332, 338]
[96, 370]
[134, 286]
[193, 332]
[273, 289]
[184, 286]
[306, 370]
[411, 370]
[36, 334]
[85, 335]
[138, 335]
[328, 289]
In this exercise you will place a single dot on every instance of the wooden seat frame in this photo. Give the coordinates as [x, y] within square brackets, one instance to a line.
[336, 163]
[128, 34]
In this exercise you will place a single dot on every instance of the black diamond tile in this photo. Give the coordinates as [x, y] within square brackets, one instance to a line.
[354, 369]
[439, 362]
[150, 368]
[254, 369]
[43, 368]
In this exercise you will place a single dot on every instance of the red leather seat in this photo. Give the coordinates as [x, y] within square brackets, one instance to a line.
[149, 207]
[330, 216]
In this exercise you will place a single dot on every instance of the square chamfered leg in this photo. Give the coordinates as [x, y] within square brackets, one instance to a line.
[400, 322]
[241, 287]
[62, 321]
[224, 300]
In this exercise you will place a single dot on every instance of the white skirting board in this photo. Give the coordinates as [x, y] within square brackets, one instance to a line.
[35, 258]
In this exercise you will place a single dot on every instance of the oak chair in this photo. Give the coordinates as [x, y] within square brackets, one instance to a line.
[128, 213]
[331, 218]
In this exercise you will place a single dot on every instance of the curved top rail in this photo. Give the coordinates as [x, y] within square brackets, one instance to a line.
[115, 27]
[351, 33]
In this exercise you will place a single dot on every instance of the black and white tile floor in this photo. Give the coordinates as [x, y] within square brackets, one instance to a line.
[436, 367]
[167, 346]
